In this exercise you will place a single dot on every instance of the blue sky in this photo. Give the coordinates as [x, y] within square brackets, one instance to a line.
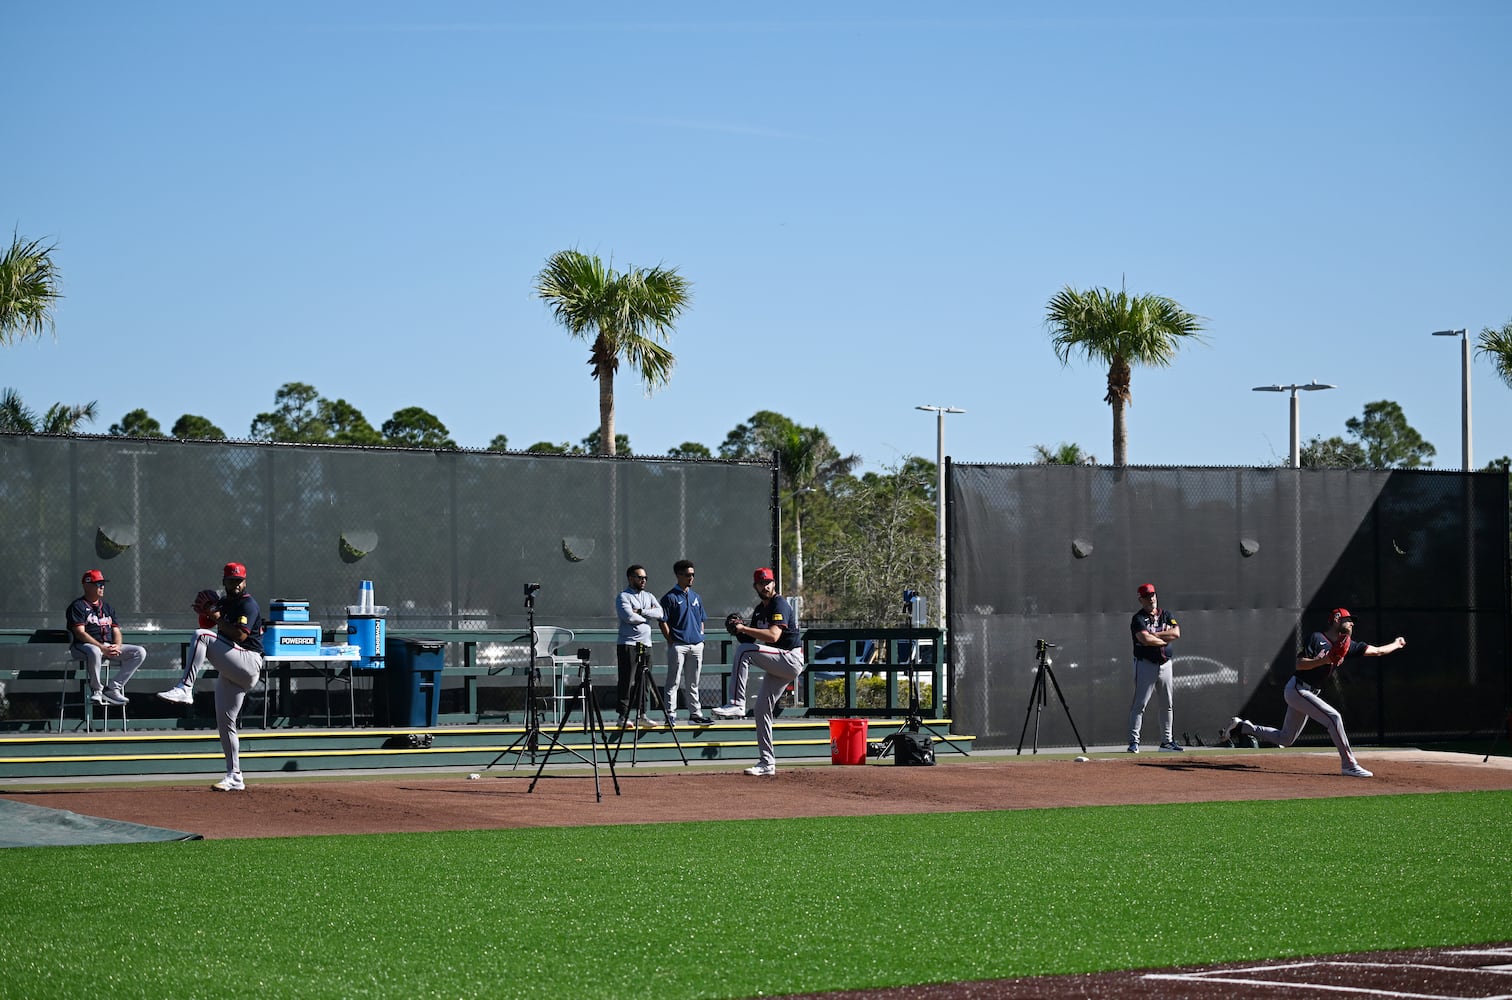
[874, 203]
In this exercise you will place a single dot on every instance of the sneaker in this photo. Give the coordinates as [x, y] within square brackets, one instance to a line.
[178, 694]
[1133, 748]
[1356, 771]
[730, 711]
[698, 718]
[646, 722]
[98, 697]
[761, 770]
[670, 722]
[1171, 746]
[1228, 732]
[230, 783]
[115, 696]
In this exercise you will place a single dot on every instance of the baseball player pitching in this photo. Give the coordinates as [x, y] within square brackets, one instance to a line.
[1324, 653]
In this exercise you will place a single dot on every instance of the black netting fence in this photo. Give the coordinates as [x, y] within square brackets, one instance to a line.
[1249, 560]
[449, 538]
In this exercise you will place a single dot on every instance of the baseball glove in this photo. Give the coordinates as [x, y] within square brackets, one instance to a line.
[731, 620]
[205, 602]
[1339, 650]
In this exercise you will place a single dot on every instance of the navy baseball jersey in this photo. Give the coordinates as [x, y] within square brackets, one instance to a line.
[98, 619]
[685, 616]
[1155, 621]
[778, 612]
[1318, 645]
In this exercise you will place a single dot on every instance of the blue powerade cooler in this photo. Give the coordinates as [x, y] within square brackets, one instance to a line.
[366, 630]
[284, 610]
[287, 639]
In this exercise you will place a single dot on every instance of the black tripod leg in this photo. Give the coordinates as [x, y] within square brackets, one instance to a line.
[942, 738]
[531, 737]
[594, 716]
[634, 713]
[1079, 741]
[1036, 697]
[556, 741]
[660, 701]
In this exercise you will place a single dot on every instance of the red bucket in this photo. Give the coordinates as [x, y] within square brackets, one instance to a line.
[847, 741]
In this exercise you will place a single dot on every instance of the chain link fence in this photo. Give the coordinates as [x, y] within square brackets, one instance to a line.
[1249, 561]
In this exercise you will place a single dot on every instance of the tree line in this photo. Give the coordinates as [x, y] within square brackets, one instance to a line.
[853, 543]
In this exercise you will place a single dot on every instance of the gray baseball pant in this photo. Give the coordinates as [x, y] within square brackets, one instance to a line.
[782, 667]
[1300, 706]
[684, 670]
[1149, 678]
[237, 673]
[130, 659]
[196, 662]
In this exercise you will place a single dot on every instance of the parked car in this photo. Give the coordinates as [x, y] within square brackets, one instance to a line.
[920, 653]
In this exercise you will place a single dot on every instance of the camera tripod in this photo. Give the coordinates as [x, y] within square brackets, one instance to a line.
[915, 719]
[530, 740]
[593, 728]
[1037, 698]
[643, 689]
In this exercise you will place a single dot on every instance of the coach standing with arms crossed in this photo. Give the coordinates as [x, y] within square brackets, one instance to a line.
[1154, 630]
[636, 610]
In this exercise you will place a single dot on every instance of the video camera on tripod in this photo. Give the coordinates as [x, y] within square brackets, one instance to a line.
[1044, 680]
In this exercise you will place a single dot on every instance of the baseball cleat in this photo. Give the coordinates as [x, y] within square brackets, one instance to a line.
[230, 783]
[761, 770]
[1171, 746]
[1356, 771]
[1133, 748]
[1226, 734]
[178, 694]
[115, 696]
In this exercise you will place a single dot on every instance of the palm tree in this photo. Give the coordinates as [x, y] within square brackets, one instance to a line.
[28, 289]
[1062, 454]
[809, 459]
[1498, 344]
[1119, 330]
[18, 418]
[623, 315]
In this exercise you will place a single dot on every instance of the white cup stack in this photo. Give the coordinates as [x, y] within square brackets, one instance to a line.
[365, 597]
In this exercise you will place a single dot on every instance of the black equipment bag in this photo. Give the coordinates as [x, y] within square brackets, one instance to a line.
[912, 749]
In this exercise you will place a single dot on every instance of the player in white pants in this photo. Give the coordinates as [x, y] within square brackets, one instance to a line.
[1317, 661]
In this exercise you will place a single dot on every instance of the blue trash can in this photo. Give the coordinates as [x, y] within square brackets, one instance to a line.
[412, 682]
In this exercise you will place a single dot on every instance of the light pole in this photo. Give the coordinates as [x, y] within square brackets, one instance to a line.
[1464, 336]
[939, 412]
[1296, 440]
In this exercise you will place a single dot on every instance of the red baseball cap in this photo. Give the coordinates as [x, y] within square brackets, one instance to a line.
[234, 571]
[95, 576]
[1340, 615]
[1146, 588]
[762, 575]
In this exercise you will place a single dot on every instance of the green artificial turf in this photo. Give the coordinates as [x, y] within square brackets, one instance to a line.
[740, 909]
